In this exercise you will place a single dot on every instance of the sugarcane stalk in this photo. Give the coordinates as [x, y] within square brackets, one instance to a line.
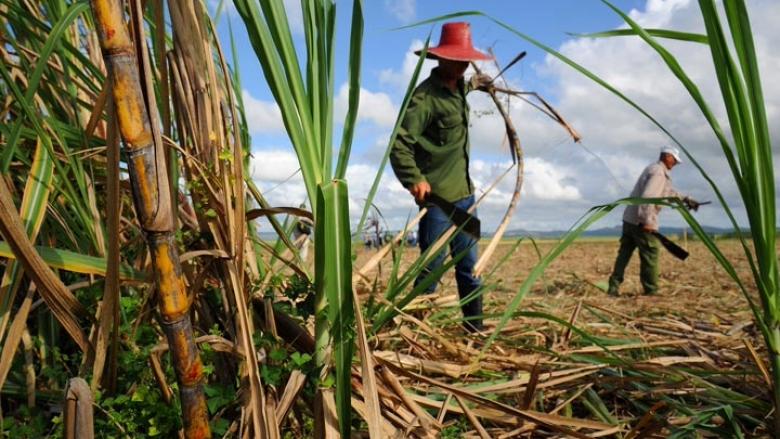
[151, 197]
[517, 157]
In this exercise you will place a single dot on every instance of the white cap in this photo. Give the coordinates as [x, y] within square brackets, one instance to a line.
[674, 152]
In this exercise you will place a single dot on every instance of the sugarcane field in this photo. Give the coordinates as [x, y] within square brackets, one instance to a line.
[285, 219]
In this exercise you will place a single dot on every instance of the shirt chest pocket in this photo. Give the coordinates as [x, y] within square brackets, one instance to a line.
[450, 130]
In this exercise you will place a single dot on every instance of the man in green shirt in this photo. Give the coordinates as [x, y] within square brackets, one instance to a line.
[431, 156]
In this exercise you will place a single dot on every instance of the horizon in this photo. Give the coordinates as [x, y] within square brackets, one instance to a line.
[603, 231]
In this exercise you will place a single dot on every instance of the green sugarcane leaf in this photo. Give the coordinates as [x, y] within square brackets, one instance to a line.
[333, 286]
[739, 112]
[314, 65]
[76, 262]
[39, 31]
[593, 215]
[412, 273]
[327, 98]
[734, 96]
[275, 70]
[431, 278]
[279, 30]
[658, 33]
[32, 211]
[45, 137]
[763, 178]
[355, 58]
[51, 44]
[728, 267]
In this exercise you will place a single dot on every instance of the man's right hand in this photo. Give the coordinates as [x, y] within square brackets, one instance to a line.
[420, 191]
[648, 229]
[691, 204]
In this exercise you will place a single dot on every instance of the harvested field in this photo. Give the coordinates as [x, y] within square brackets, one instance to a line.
[682, 363]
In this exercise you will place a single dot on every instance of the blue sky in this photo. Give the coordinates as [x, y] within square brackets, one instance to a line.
[548, 21]
[562, 179]
[385, 44]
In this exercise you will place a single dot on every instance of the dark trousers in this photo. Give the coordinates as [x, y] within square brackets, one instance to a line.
[432, 226]
[634, 237]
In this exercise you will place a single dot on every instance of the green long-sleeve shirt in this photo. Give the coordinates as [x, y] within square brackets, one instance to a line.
[433, 143]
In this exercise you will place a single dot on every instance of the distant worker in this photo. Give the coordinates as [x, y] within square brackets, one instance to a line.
[640, 222]
[430, 156]
[374, 231]
[411, 238]
[302, 238]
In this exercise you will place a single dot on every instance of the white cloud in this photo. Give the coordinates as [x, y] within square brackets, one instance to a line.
[404, 10]
[274, 166]
[275, 171]
[548, 182]
[375, 107]
[262, 116]
[265, 116]
[392, 198]
[399, 79]
[294, 15]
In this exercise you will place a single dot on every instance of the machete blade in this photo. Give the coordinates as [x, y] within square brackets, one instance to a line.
[674, 249]
[469, 223]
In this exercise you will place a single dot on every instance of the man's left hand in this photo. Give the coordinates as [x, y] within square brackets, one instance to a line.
[481, 82]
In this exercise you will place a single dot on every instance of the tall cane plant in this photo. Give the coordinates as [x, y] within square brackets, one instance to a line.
[305, 97]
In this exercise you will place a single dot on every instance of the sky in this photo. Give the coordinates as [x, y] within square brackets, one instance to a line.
[563, 179]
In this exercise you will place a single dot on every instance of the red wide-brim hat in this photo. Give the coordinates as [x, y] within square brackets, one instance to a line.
[455, 44]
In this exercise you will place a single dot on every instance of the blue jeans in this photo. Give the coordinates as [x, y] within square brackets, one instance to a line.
[432, 226]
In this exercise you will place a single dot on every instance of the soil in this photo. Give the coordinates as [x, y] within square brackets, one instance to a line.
[697, 288]
[685, 348]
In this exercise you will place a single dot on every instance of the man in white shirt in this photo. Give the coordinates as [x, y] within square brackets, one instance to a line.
[640, 222]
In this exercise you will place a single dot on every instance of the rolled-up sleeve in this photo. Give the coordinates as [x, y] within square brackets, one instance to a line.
[673, 193]
[402, 157]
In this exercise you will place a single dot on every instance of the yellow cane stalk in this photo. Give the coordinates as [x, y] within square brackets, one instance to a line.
[151, 196]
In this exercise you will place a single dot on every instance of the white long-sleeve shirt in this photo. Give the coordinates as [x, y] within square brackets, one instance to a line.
[655, 182]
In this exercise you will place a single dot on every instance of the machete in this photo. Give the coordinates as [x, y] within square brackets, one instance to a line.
[676, 250]
[468, 222]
